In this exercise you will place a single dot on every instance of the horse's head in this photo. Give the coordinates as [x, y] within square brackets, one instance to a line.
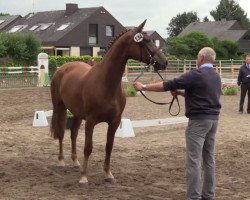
[144, 49]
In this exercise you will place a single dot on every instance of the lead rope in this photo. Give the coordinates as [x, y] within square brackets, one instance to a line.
[161, 103]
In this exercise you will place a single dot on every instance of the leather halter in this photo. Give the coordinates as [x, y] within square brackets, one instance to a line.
[154, 62]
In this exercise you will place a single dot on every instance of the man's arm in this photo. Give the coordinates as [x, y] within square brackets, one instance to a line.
[156, 87]
[239, 80]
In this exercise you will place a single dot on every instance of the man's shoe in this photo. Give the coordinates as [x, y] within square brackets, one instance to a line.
[241, 112]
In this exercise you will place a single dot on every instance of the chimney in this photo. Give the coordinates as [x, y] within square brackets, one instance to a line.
[71, 8]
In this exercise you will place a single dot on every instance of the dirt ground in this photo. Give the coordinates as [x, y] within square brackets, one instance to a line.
[149, 166]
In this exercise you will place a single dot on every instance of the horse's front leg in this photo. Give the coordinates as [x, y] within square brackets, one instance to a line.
[109, 146]
[89, 127]
[74, 132]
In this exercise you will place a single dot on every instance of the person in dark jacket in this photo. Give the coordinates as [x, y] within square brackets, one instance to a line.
[202, 89]
[244, 83]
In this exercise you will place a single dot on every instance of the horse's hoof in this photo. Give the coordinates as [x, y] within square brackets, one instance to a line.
[110, 180]
[61, 163]
[83, 180]
[76, 163]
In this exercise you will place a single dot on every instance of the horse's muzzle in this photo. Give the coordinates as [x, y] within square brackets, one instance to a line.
[160, 64]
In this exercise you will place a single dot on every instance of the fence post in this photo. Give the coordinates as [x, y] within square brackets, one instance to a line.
[220, 67]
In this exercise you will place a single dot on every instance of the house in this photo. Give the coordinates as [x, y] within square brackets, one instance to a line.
[155, 36]
[8, 20]
[73, 31]
[223, 30]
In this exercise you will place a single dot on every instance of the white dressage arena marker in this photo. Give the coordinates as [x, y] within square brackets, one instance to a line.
[40, 119]
[126, 126]
[159, 122]
[125, 129]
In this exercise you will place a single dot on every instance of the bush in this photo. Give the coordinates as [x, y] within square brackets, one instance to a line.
[57, 61]
[69, 114]
[130, 91]
[188, 46]
[21, 48]
[229, 89]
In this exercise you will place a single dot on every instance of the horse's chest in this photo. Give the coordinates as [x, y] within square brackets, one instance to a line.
[108, 108]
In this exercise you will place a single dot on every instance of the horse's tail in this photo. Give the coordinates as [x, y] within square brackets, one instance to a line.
[57, 127]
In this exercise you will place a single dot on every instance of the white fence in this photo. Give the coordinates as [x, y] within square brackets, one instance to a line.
[228, 70]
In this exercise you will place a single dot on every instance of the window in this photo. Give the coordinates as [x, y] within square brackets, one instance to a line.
[2, 21]
[17, 28]
[44, 27]
[110, 30]
[93, 34]
[34, 27]
[62, 27]
[157, 43]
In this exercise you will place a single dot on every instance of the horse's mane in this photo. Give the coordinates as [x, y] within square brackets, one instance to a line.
[114, 39]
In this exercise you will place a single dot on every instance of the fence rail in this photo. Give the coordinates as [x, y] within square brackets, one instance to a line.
[29, 76]
[228, 69]
[14, 77]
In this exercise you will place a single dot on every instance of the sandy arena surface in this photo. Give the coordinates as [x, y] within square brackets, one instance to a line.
[149, 166]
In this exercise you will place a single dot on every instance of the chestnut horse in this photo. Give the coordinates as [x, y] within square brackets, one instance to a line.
[94, 93]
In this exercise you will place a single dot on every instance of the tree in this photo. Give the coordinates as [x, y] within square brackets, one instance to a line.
[205, 19]
[231, 10]
[189, 45]
[4, 14]
[181, 21]
[21, 48]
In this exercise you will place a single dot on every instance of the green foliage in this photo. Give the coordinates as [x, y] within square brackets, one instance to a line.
[21, 48]
[57, 61]
[181, 21]
[33, 48]
[69, 114]
[4, 14]
[229, 89]
[177, 46]
[130, 91]
[205, 19]
[188, 46]
[196, 41]
[231, 10]
[225, 49]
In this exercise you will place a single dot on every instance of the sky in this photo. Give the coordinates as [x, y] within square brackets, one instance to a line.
[128, 12]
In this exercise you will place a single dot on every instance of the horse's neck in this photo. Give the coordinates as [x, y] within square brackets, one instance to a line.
[113, 65]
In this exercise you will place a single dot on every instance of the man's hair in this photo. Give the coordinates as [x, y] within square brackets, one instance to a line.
[208, 53]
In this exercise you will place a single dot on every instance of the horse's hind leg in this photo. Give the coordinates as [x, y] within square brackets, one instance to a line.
[61, 120]
[74, 132]
[109, 146]
[89, 127]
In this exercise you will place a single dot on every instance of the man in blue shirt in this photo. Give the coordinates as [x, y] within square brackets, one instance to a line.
[202, 89]
[244, 83]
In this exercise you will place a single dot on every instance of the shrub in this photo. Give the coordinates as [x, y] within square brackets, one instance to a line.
[21, 48]
[130, 91]
[229, 89]
[69, 114]
[57, 61]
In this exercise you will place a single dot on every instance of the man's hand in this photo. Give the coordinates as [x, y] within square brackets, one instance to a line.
[175, 93]
[138, 86]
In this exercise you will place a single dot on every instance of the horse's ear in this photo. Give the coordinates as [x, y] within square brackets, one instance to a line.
[140, 27]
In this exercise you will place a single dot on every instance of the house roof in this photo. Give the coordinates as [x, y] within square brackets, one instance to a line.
[223, 30]
[50, 21]
[6, 20]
